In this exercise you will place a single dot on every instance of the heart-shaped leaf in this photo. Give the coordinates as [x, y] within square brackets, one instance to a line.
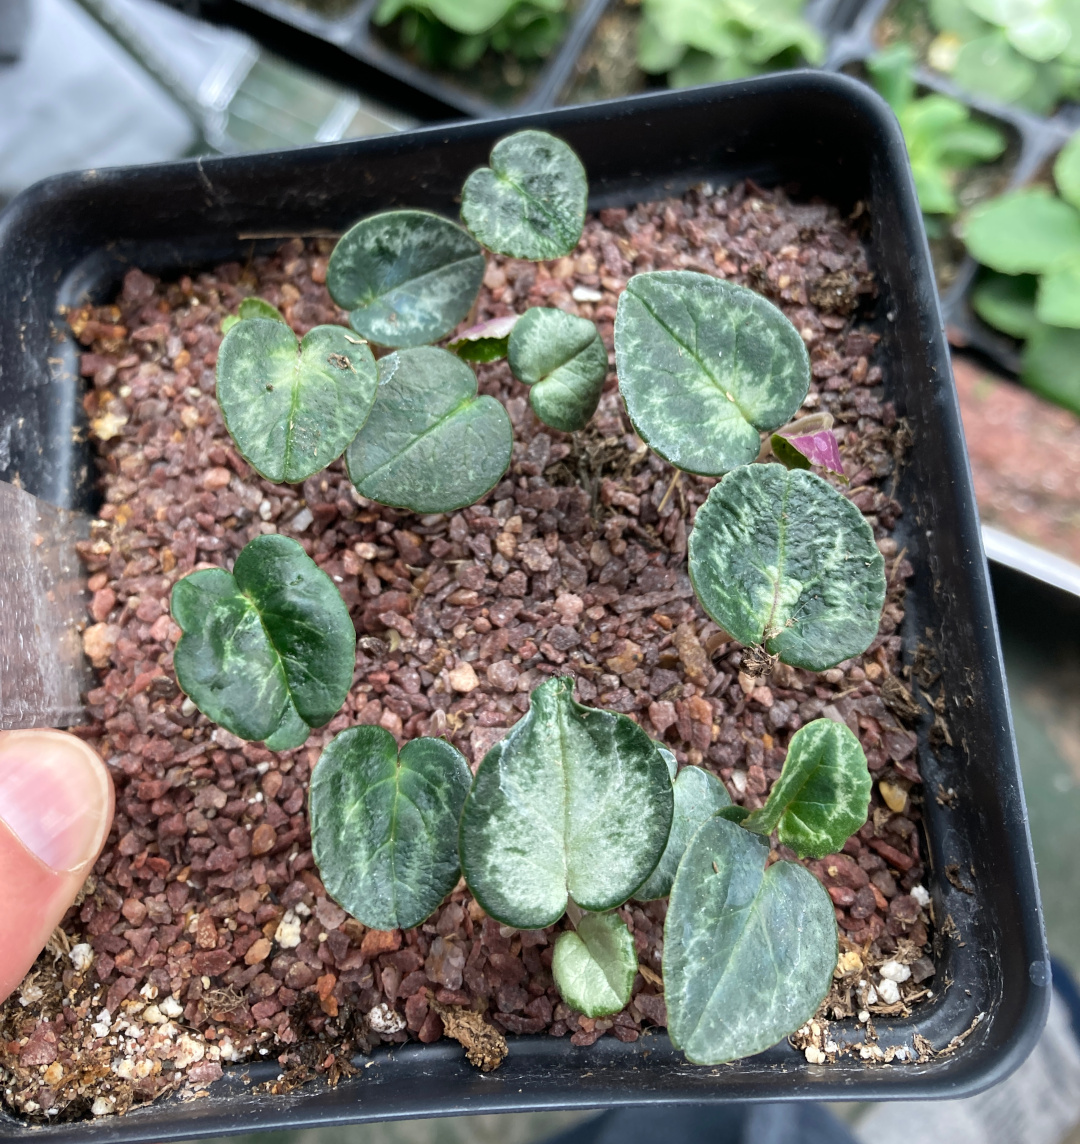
[574, 802]
[530, 203]
[780, 558]
[486, 341]
[430, 444]
[1007, 302]
[293, 407]
[251, 308]
[1023, 232]
[406, 277]
[749, 953]
[703, 366]
[384, 824]
[822, 794]
[594, 966]
[562, 358]
[269, 641]
[1058, 299]
[803, 450]
[698, 796]
[1067, 171]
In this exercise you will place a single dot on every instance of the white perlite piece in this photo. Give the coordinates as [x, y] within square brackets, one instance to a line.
[82, 957]
[889, 991]
[895, 971]
[919, 893]
[188, 1051]
[171, 1008]
[586, 294]
[103, 1106]
[383, 1019]
[288, 931]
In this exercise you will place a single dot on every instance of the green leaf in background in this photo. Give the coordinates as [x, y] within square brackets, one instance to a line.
[293, 406]
[267, 643]
[486, 341]
[564, 362]
[780, 558]
[991, 66]
[822, 794]
[594, 966]
[530, 203]
[1058, 299]
[1006, 302]
[406, 277]
[891, 71]
[749, 953]
[430, 444]
[704, 365]
[1051, 365]
[251, 308]
[956, 16]
[1067, 171]
[574, 802]
[698, 796]
[384, 824]
[1023, 232]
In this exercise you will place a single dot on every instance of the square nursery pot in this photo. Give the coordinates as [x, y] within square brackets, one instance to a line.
[344, 42]
[71, 239]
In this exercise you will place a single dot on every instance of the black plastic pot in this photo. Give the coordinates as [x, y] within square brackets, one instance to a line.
[1040, 139]
[351, 50]
[73, 237]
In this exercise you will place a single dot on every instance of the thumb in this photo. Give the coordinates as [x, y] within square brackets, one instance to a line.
[56, 808]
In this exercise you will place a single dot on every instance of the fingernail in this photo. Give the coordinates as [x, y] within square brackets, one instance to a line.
[54, 796]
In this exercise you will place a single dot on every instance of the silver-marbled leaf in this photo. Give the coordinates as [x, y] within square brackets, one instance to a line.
[822, 795]
[704, 365]
[530, 203]
[574, 802]
[292, 407]
[406, 277]
[748, 952]
[266, 645]
[594, 965]
[384, 824]
[563, 360]
[780, 558]
[430, 444]
[698, 796]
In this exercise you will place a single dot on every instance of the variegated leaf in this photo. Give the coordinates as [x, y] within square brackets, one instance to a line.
[704, 365]
[780, 558]
[749, 952]
[822, 795]
[594, 965]
[574, 802]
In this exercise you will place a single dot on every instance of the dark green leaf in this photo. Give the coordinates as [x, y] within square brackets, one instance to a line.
[486, 341]
[530, 203]
[703, 366]
[1006, 302]
[698, 796]
[430, 444]
[292, 731]
[564, 361]
[293, 407]
[574, 802]
[780, 558]
[1023, 232]
[734, 813]
[270, 640]
[252, 308]
[384, 824]
[1051, 365]
[822, 794]
[406, 277]
[749, 953]
[594, 966]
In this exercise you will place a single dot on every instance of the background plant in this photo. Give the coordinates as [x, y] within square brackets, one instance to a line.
[943, 138]
[1030, 241]
[1023, 52]
[704, 41]
[457, 33]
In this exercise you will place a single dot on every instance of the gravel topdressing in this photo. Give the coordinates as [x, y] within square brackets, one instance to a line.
[205, 935]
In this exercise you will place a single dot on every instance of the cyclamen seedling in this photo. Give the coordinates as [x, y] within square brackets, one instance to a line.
[576, 811]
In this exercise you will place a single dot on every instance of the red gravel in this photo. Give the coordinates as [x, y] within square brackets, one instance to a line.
[575, 564]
